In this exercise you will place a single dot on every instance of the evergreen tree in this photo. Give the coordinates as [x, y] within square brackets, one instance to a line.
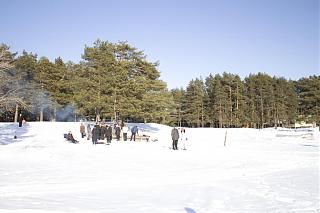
[24, 73]
[45, 76]
[308, 90]
[178, 107]
[216, 100]
[116, 80]
[195, 103]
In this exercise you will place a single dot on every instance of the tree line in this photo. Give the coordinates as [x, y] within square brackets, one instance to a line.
[116, 81]
[257, 101]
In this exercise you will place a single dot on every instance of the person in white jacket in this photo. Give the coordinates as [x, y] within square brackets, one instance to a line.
[183, 138]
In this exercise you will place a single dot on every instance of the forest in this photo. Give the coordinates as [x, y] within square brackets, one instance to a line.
[115, 81]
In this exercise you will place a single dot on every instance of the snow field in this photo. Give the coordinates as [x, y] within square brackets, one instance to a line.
[257, 171]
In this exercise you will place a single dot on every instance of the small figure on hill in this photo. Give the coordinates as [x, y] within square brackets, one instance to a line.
[20, 120]
[175, 138]
[82, 130]
[134, 131]
[125, 132]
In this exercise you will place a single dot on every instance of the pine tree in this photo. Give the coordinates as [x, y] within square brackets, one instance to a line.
[308, 90]
[44, 78]
[177, 108]
[195, 103]
[24, 73]
[215, 100]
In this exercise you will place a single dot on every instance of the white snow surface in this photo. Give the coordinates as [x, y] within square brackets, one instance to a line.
[265, 170]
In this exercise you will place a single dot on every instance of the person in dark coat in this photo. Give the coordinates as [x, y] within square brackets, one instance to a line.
[117, 131]
[103, 132]
[134, 131]
[109, 134]
[99, 132]
[20, 120]
[94, 135]
[175, 138]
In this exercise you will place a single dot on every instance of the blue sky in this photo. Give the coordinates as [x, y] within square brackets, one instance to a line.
[189, 38]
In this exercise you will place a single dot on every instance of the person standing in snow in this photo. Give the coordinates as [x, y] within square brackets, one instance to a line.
[95, 135]
[175, 138]
[20, 120]
[98, 126]
[125, 132]
[183, 137]
[82, 130]
[88, 132]
[118, 131]
[109, 134]
[134, 131]
[103, 132]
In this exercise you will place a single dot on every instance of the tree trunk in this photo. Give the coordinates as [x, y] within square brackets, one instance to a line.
[97, 117]
[54, 114]
[220, 114]
[41, 115]
[16, 114]
[202, 116]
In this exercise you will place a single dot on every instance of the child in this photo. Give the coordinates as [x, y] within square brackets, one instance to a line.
[183, 138]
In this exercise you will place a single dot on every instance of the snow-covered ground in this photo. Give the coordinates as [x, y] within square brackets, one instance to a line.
[258, 171]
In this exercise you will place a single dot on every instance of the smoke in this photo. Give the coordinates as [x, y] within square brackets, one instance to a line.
[41, 100]
[66, 114]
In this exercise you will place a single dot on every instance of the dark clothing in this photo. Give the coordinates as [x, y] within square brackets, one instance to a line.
[20, 121]
[109, 134]
[94, 136]
[175, 144]
[98, 132]
[71, 138]
[175, 138]
[134, 136]
[103, 132]
[118, 130]
[125, 136]
[134, 131]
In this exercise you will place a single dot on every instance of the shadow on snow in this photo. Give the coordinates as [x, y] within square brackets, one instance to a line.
[9, 131]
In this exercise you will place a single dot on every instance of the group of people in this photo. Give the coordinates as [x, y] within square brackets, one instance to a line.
[101, 132]
[175, 135]
[104, 131]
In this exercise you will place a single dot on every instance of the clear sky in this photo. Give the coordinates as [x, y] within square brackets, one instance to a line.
[189, 38]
